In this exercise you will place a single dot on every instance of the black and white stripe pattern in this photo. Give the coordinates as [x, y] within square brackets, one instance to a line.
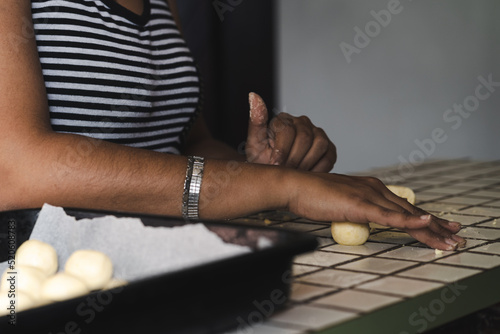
[114, 75]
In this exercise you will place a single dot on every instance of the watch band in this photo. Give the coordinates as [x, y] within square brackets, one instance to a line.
[192, 187]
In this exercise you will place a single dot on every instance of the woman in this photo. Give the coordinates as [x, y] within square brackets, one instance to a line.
[98, 109]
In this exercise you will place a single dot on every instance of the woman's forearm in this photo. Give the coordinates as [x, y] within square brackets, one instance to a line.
[75, 171]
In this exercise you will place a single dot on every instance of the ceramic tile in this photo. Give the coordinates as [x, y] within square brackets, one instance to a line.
[494, 223]
[470, 243]
[479, 233]
[439, 273]
[358, 301]
[442, 207]
[412, 253]
[325, 232]
[484, 181]
[264, 328]
[462, 219]
[416, 185]
[301, 292]
[300, 227]
[324, 259]
[323, 242]
[493, 248]
[486, 193]
[472, 260]
[399, 286]
[299, 269]
[368, 248]
[464, 200]
[466, 186]
[336, 278]
[377, 266]
[483, 211]
[445, 190]
[400, 238]
[428, 196]
[311, 317]
[494, 204]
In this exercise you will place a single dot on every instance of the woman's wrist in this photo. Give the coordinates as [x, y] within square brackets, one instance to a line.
[233, 189]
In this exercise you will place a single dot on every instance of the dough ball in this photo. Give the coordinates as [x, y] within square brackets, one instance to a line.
[114, 283]
[28, 280]
[62, 286]
[94, 268]
[350, 234]
[22, 301]
[404, 192]
[38, 254]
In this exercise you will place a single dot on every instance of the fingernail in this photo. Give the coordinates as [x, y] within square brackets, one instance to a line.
[451, 242]
[461, 242]
[455, 225]
[425, 217]
[450, 248]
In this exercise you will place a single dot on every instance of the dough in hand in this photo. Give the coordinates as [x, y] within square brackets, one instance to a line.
[404, 192]
[92, 267]
[354, 234]
[350, 234]
[62, 286]
[22, 301]
[28, 280]
[38, 254]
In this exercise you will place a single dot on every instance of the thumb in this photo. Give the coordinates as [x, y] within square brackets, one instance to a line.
[257, 140]
[257, 124]
[258, 112]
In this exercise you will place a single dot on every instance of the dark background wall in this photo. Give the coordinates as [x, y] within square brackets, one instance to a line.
[233, 44]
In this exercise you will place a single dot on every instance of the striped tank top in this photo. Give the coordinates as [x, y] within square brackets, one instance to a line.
[114, 75]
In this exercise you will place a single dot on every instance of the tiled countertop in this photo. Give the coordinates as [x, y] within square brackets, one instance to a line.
[394, 284]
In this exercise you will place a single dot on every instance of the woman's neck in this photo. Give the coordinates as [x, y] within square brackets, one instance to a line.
[135, 6]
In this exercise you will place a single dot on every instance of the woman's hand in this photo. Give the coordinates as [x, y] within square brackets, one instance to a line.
[333, 197]
[289, 141]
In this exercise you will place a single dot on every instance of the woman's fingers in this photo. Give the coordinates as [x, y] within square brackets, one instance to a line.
[441, 227]
[383, 215]
[396, 212]
[322, 155]
[297, 143]
[432, 239]
[302, 141]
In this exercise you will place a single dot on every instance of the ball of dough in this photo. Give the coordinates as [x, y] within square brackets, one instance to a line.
[350, 234]
[62, 286]
[22, 301]
[404, 192]
[94, 268]
[38, 254]
[28, 280]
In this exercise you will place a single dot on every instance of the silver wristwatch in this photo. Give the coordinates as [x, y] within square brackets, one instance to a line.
[192, 187]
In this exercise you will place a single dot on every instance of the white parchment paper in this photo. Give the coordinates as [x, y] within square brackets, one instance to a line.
[137, 251]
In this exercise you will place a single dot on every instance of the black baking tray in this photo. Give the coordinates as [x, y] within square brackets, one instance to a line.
[209, 298]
